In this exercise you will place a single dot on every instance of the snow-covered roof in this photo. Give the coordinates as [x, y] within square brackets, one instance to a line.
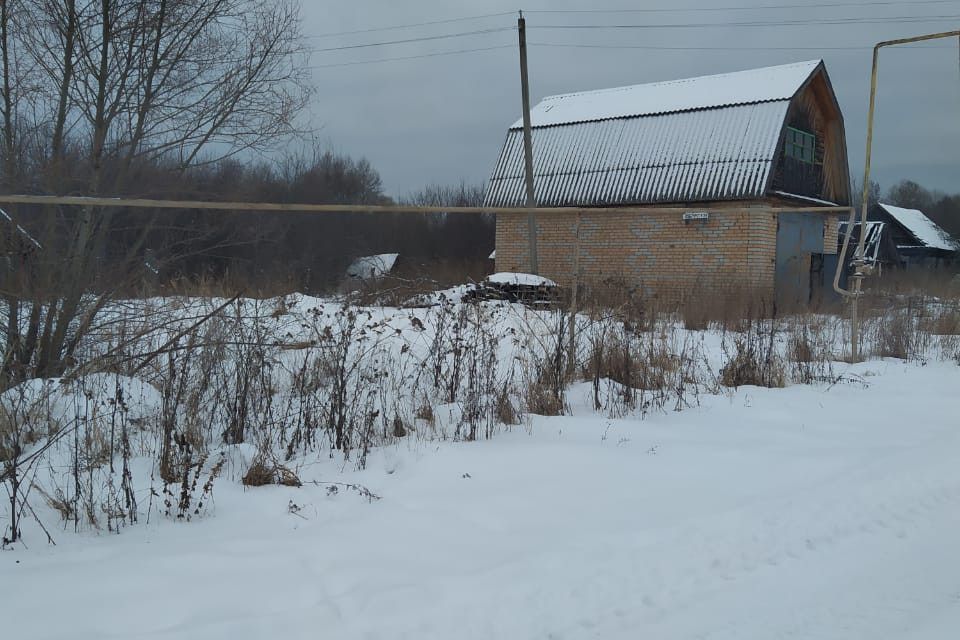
[927, 232]
[768, 84]
[702, 139]
[368, 267]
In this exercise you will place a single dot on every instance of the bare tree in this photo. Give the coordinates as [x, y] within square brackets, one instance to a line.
[120, 83]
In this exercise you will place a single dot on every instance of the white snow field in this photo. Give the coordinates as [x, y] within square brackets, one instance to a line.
[805, 512]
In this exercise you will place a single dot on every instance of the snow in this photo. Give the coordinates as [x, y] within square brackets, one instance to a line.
[370, 267]
[926, 231]
[520, 279]
[759, 514]
[450, 295]
[824, 203]
[768, 84]
[816, 511]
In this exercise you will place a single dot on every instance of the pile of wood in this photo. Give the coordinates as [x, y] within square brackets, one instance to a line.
[524, 288]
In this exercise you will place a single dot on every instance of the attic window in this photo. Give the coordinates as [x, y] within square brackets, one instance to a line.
[801, 145]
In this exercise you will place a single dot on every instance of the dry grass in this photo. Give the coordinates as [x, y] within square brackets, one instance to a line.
[622, 300]
[943, 322]
[425, 412]
[727, 308]
[412, 279]
[58, 502]
[647, 364]
[754, 359]
[504, 410]
[264, 472]
[541, 400]
[895, 335]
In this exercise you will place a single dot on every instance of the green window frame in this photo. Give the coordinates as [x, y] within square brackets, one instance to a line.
[800, 145]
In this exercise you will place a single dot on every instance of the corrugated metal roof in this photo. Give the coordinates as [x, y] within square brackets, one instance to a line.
[927, 232]
[706, 92]
[715, 154]
[700, 139]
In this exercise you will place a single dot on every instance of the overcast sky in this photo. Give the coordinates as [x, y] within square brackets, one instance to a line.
[442, 119]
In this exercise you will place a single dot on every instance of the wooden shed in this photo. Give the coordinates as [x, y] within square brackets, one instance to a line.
[919, 241]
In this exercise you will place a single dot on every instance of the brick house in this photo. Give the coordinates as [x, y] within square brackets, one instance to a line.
[679, 188]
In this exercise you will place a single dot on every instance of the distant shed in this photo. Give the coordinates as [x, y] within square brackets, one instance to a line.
[733, 146]
[919, 240]
[372, 267]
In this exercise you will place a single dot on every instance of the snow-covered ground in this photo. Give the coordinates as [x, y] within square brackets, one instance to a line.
[829, 512]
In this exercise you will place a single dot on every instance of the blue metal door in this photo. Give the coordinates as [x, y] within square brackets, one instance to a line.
[798, 235]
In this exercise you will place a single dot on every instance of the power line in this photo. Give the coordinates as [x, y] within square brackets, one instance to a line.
[445, 36]
[424, 55]
[413, 25]
[823, 5]
[768, 23]
[675, 48]
[779, 23]
[874, 3]
[565, 45]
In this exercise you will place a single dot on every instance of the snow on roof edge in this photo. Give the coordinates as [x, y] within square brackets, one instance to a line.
[927, 232]
[369, 267]
[750, 86]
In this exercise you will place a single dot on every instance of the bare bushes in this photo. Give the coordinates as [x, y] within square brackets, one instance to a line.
[546, 371]
[894, 336]
[753, 358]
[412, 281]
[656, 370]
[912, 315]
[811, 341]
[943, 320]
[69, 443]
[188, 498]
[292, 381]
[728, 308]
[264, 472]
[540, 400]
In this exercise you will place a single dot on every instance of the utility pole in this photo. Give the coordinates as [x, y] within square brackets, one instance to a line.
[528, 146]
[860, 267]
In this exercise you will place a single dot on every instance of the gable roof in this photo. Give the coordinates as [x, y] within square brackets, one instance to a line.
[925, 231]
[768, 84]
[699, 139]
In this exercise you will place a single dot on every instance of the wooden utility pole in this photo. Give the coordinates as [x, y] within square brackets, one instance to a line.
[528, 146]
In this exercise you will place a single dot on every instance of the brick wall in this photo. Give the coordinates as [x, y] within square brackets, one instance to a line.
[831, 233]
[655, 250]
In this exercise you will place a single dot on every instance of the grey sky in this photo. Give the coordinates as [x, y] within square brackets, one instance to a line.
[442, 119]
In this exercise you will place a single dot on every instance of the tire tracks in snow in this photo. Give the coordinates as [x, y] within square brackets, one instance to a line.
[900, 504]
